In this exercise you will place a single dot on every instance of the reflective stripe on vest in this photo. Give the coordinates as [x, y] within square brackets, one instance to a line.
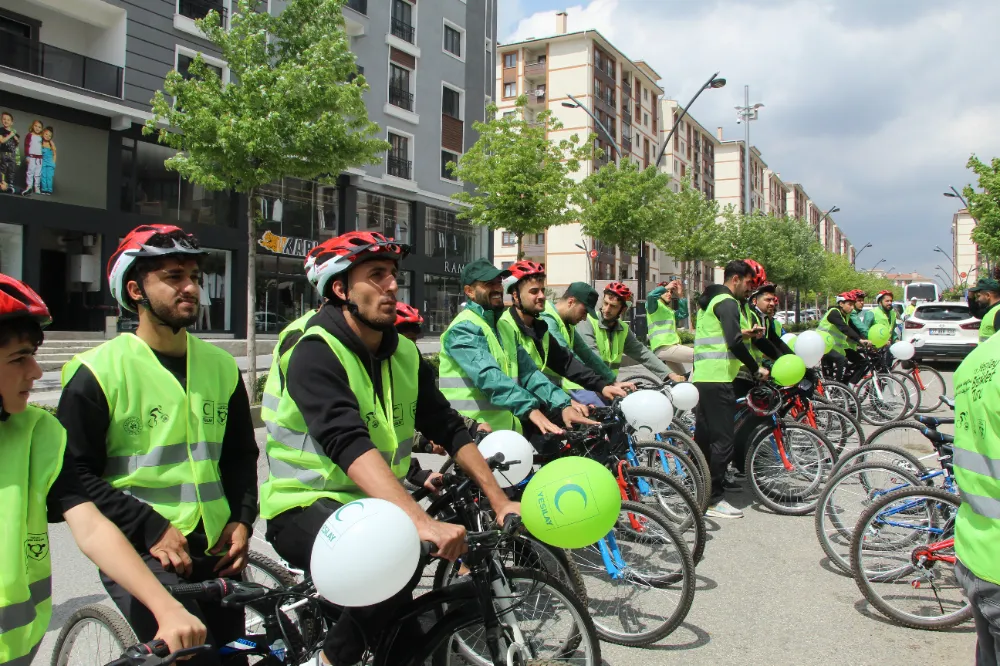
[986, 329]
[507, 326]
[165, 440]
[610, 349]
[713, 362]
[464, 396]
[300, 471]
[662, 325]
[569, 335]
[839, 339]
[272, 387]
[976, 460]
[34, 445]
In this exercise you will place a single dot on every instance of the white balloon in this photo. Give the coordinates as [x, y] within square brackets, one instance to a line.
[684, 396]
[903, 350]
[648, 412]
[516, 451]
[787, 338]
[810, 347]
[918, 341]
[366, 551]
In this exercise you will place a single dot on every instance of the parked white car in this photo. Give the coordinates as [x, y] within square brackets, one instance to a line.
[948, 330]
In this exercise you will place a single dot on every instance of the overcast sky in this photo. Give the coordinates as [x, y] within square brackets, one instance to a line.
[873, 105]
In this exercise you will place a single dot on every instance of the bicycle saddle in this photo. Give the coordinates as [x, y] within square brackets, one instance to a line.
[935, 421]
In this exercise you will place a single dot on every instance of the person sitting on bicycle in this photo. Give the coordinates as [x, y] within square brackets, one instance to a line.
[764, 303]
[984, 303]
[664, 308]
[39, 485]
[159, 424]
[354, 393]
[526, 286]
[846, 339]
[487, 375]
[884, 313]
[753, 331]
[861, 318]
[613, 339]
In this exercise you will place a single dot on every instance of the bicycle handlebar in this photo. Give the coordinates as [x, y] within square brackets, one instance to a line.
[155, 652]
[228, 593]
[935, 421]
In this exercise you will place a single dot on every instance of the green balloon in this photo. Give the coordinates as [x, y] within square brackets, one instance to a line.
[879, 335]
[791, 343]
[571, 503]
[788, 370]
[827, 340]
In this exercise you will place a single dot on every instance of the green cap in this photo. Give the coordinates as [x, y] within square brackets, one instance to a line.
[986, 284]
[481, 270]
[586, 294]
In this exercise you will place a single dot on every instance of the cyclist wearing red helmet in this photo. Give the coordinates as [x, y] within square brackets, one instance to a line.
[159, 424]
[354, 394]
[861, 318]
[526, 286]
[884, 313]
[846, 338]
[39, 485]
[409, 321]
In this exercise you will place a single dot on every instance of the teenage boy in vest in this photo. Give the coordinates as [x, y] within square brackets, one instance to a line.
[354, 393]
[984, 301]
[719, 350]
[846, 338]
[612, 339]
[526, 286]
[578, 303]
[861, 318]
[39, 485]
[487, 375]
[764, 303]
[159, 424]
[664, 308]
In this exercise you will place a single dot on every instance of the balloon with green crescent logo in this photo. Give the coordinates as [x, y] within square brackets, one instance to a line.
[788, 370]
[879, 335]
[827, 340]
[571, 503]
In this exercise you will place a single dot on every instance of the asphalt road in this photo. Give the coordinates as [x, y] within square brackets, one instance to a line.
[765, 595]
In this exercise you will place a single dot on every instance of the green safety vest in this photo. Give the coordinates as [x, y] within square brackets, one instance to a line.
[300, 472]
[749, 319]
[977, 460]
[272, 387]
[713, 362]
[33, 445]
[882, 318]
[610, 349]
[662, 325]
[508, 327]
[569, 335]
[165, 440]
[986, 327]
[839, 339]
[459, 388]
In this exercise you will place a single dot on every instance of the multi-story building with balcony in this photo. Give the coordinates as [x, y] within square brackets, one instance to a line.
[730, 177]
[968, 260]
[775, 194]
[88, 69]
[623, 95]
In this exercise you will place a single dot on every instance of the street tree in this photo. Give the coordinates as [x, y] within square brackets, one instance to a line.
[521, 179]
[623, 205]
[984, 205]
[293, 108]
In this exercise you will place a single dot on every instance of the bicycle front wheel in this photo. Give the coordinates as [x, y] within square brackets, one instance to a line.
[842, 429]
[913, 393]
[94, 634]
[662, 492]
[883, 398]
[932, 387]
[788, 466]
[841, 395]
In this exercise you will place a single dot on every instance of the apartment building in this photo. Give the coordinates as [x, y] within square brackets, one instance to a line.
[87, 69]
[775, 194]
[963, 250]
[729, 175]
[623, 94]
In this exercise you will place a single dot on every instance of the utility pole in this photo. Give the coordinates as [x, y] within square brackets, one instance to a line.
[745, 114]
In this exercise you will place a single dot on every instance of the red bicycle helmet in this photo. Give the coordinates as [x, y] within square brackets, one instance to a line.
[19, 300]
[764, 400]
[521, 270]
[407, 314]
[757, 277]
[883, 293]
[334, 256]
[620, 290]
[858, 294]
[147, 240]
[310, 265]
[846, 296]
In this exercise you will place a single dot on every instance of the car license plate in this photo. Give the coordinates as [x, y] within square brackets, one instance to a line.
[942, 331]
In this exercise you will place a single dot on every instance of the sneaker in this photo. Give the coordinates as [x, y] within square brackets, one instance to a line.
[732, 485]
[723, 509]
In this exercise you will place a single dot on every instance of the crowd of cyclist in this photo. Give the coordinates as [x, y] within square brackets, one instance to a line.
[152, 461]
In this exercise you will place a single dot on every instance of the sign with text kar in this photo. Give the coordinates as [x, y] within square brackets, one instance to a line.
[290, 246]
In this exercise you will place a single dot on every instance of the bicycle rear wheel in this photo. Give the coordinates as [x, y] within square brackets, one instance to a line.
[841, 395]
[665, 494]
[913, 393]
[788, 477]
[892, 455]
[842, 429]
[932, 387]
[883, 398]
[671, 460]
[95, 634]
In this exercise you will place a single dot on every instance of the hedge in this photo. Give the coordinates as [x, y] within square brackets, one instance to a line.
[803, 326]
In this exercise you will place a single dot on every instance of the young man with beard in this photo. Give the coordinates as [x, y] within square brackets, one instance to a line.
[159, 423]
[885, 314]
[355, 392]
[764, 303]
[486, 375]
[526, 286]
[984, 302]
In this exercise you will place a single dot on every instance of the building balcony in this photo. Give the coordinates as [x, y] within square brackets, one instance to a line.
[537, 99]
[399, 167]
[626, 117]
[57, 64]
[199, 9]
[401, 98]
[626, 144]
[403, 30]
[626, 89]
[360, 6]
[535, 70]
[356, 17]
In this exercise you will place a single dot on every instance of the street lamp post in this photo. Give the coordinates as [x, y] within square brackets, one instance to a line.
[954, 194]
[937, 248]
[577, 105]
[745, 114]
[856, 254]
[714, 81]
[941, 268]
[876, 264]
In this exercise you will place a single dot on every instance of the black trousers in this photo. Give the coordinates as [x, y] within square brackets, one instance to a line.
[714, 429]
[224, 624]
[292, 534]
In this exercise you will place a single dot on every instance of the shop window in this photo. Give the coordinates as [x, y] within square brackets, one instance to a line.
[214, 303]
[442, 296]
[447, 236]
[11, 250]
[300, 208]
[384, 214]
[283, 292]
[405, 283]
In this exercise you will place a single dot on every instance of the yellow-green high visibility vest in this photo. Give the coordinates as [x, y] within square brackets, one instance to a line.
[300, 472]
[749, 319]
[713, 362]
[569, 335]
[882, 318]
[610, 348]
[508, 326]
[662, 325]
[165, 440]
[839, 339]
[977, 460]
[272, 387]
[459, 388]
[986, 330]
[33, 445]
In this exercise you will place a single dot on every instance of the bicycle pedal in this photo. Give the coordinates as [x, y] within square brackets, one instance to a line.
[915, 584]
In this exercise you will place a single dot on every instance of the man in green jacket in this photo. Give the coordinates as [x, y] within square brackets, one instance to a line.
[984, 301]
[664, 308]
[490, 378]
[861, 318]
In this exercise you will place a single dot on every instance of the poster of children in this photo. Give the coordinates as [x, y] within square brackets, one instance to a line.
[52, 160]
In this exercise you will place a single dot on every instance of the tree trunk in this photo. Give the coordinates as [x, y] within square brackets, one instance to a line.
[689, 291]
[520, 246]
[251, 297]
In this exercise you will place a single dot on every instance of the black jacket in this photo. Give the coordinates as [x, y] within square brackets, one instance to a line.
[318, 383]
[728, 314]
[847, 328]
[560, 361]
[771, 344]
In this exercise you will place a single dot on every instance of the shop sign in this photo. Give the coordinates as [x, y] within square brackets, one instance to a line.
[287, 245]
[453, 267]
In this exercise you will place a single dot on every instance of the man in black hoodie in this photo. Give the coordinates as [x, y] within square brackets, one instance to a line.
[846, 338]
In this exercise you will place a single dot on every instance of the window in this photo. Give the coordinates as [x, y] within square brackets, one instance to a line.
[509, 114]
[402, 20]
[399, 87]
[451, 103]
[509, 239]
[398, 164]
[447, 236]
[448, 156]
[510, 89]
[184, 65]
[386, 215]
[645, 94]
[539, 239]
[510, 59]
[645, 119]
[442, 296]
[452, 41]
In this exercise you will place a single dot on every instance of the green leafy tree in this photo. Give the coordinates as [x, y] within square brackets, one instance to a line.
[521, 179]
[293, 108]
[984, 205]
[623, 205]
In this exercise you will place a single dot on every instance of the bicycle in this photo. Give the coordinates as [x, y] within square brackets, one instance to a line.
[155, 653]
[882, 396]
